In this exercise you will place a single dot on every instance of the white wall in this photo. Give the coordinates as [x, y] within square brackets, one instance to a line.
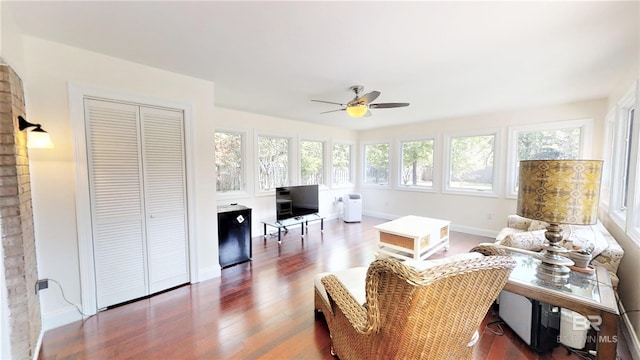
[467, 213]
[48, 71]
[263, 205]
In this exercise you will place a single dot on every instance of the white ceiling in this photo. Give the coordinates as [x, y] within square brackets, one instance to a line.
[446, 58]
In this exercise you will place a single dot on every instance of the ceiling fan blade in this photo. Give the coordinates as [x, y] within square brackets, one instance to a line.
[367, 98]
[329, 102]
[387, 105]
[332, 111]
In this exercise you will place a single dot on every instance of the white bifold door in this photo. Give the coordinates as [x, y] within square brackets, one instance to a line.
[137, 187]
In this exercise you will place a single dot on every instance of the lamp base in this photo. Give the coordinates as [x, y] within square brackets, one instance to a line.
[554, 269]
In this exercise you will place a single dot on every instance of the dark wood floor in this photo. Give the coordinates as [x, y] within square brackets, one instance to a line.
[259, 309]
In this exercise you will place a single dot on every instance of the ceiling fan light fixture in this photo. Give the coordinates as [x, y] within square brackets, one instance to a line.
[357, 110]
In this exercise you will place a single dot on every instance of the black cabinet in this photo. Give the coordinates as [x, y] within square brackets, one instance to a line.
[234, 234]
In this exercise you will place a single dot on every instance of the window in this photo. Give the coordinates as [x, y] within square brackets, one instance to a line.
[229, 161]
[341, 165]
[471, 164]
[547, 141]
[623, 175]
[273, 162]
[311, 162]
[624, 180]
[626, 159]
[376, 164]
[417, 164]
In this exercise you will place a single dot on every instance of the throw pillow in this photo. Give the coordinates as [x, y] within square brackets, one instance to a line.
[537, 225]
[529, 240]
[577, 237]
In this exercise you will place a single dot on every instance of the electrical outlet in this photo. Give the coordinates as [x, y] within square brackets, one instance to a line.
[42, 284]
[489, 216]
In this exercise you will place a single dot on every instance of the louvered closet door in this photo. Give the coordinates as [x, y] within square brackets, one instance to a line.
[138, 199]
[164, 169]
[115, 180]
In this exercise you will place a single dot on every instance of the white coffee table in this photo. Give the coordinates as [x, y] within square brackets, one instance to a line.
[413, 237]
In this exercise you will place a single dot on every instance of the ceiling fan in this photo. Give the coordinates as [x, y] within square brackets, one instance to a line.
[361, 104]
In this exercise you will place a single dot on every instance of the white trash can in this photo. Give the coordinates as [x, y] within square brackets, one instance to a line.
[573, 329]
[352, 208]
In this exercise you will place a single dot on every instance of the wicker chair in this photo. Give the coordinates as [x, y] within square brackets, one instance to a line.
[431, 313]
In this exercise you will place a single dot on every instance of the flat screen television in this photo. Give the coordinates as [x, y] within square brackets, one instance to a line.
[295, 201]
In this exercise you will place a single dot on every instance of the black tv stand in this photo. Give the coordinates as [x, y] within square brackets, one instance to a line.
[303, 221]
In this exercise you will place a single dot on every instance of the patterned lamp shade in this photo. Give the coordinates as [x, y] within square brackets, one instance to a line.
[559, 191]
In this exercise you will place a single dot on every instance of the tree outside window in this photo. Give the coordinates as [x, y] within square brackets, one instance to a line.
[273, 162]
[341, 162]
[417, 163]
[472, 160]
[311, 162]
[559, 144]
[549, 145]
[228, 155]
[376, 164]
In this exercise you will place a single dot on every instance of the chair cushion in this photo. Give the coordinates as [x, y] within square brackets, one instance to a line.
[353, 279]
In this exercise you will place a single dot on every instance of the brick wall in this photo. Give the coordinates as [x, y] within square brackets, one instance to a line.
[16, 220]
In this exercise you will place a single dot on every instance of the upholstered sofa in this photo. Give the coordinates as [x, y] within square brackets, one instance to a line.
[529, 235]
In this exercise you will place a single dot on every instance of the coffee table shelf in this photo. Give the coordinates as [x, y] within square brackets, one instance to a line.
[413, 237]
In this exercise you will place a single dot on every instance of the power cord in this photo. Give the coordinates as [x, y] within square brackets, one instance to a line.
[69, 302]
[499, 331]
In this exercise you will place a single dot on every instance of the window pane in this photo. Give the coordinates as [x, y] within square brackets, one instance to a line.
[311, 162]
[417, 163]
[547, 145]
[228, 151]
[627, 159]
[376, 164]
[273, 162]
[341, 157]
[472, 162]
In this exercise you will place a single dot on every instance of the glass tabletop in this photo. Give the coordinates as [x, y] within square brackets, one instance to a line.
[582, 285]
[292, 221]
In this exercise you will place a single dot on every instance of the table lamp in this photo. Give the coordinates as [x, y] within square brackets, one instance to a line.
[558, 192]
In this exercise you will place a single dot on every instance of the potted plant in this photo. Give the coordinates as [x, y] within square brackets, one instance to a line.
[581, 257]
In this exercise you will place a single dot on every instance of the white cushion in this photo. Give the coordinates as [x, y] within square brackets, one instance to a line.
[576, 237]
[528, 240]
[353, 279]
[537, 225]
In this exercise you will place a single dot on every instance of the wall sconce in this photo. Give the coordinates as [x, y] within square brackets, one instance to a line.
[36, 138]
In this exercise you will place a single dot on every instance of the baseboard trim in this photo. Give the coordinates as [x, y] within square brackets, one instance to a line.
[454, 227]
[209, 273]
[630, 334]
[474, 231]
[36, 351]
[63, 316]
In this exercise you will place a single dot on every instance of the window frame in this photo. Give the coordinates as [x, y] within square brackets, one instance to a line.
[446, 168]
[325, 162]
[390, 164]
[291, 159]
[436, 162]
[625, 218]
[584, 151]
[352, 150]
[244, 188]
